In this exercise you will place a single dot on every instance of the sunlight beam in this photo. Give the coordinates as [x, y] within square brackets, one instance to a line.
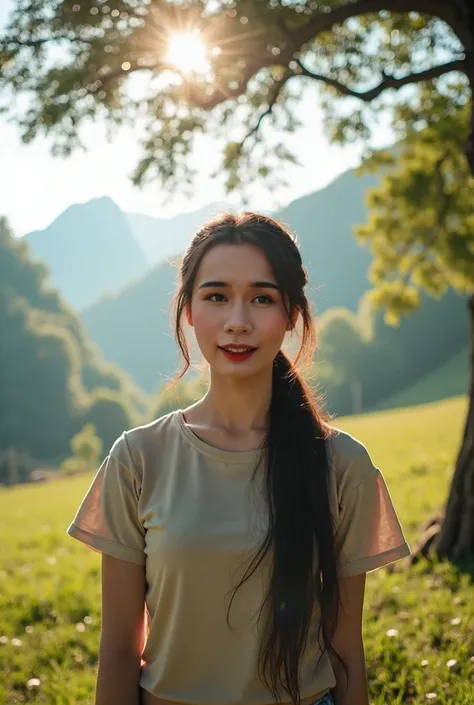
[188, 52]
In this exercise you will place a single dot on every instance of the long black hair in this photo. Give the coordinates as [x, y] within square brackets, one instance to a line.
[297, 458]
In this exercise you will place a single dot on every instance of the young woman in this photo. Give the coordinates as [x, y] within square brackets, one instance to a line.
[236, 534]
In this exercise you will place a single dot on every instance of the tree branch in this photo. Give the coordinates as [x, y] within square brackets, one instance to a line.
[324, 21]
[294, 40]
[318, 23]
[367, 96]
[277, 89]
[387, 82]
[34, 43]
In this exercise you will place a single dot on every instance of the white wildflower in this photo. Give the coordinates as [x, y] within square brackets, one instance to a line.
[33, 683]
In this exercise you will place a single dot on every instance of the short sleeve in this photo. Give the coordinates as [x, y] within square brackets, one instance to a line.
[369, 534]
[107, 519]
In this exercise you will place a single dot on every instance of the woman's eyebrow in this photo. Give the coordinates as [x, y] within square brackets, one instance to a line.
[254, 285]
[207, 285]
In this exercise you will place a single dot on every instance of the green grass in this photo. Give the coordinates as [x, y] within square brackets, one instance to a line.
[418, 626]
[448, 380]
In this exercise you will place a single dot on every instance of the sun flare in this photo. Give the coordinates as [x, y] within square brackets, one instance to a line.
[188, 52]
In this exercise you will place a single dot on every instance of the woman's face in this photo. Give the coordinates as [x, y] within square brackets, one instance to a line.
[236, 302]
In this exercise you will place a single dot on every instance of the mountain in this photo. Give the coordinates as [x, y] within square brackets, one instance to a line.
[160, 238]
[325, 218]
[324, 222]
[132, 327]
[90, 250]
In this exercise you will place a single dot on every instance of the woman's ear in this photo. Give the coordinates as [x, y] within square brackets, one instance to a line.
[188, 315]
[294, 317]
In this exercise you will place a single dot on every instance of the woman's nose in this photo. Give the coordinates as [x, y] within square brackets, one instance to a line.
[238, 321]
[237, 327]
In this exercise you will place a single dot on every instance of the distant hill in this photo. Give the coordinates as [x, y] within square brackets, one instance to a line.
[89, 250]
[160, 238]
[450, 379]
[95, 249]
[53, 379]
[324, 222]
[132, 328]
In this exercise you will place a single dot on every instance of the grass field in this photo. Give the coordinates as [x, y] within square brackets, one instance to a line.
[419, 622]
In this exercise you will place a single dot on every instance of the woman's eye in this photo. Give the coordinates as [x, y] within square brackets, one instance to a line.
[219, 298]
[263, 299]
[215, 297]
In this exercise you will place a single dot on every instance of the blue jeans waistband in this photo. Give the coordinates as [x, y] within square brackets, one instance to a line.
[327, 699]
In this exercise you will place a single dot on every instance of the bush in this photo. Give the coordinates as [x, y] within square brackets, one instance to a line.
[87, 448]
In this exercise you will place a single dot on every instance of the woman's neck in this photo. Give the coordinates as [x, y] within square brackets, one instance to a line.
[237, 407]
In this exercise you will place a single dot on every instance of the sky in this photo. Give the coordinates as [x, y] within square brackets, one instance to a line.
[36, 187]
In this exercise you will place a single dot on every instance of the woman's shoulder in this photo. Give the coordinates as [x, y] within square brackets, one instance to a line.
[350, 460]
[136, 445]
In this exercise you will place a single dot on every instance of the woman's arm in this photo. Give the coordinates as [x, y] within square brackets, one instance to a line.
[348, 643]
[123, 632]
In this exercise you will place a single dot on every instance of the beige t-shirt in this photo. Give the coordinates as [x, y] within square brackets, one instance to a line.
[190, 514]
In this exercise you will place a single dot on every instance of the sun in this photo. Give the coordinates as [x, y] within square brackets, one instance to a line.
[188, 52]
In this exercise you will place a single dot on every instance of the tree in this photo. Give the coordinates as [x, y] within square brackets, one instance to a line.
[421, 230]
[86, 447]
[44, 354]
[341, 350]
[107, 412]
[403, 56]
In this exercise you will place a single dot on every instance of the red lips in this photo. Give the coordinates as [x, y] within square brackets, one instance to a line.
[247, 351]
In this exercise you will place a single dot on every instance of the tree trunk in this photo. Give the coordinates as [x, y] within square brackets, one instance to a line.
[452, 536]
[467, 18]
